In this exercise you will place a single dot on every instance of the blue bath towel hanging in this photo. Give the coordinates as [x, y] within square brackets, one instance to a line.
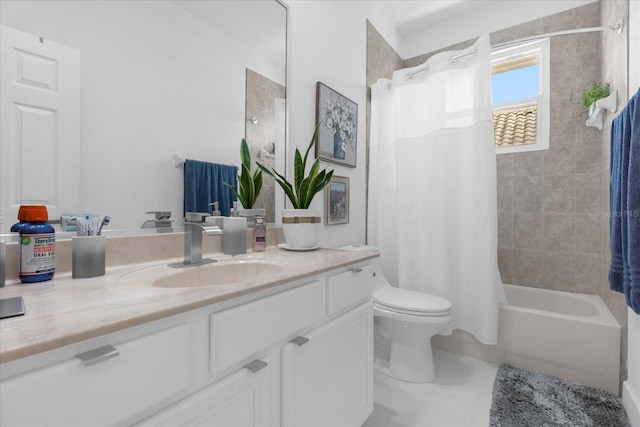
[203, 185]
[624, 273]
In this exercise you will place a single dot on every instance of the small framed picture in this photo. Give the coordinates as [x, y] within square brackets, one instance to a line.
[337, 134]
[337, 201]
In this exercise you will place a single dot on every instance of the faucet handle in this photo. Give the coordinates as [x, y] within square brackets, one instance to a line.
[160, 214]
[196, 216]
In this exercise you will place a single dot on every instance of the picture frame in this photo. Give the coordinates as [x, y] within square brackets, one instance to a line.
[338, 131]
[337, 201]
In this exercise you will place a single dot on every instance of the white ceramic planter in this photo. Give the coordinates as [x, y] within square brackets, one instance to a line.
[301, 227]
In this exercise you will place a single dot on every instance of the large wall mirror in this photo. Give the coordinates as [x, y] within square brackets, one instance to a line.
[103, 98]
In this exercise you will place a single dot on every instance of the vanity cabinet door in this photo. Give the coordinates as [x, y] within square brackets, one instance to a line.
[328, 380]
[241, 399]
[110, 385]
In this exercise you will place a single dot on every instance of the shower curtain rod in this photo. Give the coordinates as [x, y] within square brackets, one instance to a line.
[618, 27]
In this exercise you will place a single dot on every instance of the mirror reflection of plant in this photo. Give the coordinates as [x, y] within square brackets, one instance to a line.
[249, 185]
[304, 188]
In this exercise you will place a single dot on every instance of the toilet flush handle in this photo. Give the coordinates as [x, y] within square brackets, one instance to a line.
[355, 270]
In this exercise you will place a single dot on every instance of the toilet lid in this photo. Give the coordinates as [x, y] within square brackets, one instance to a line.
[406, 300]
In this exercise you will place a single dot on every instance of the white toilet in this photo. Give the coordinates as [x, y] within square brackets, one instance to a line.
[405, 321]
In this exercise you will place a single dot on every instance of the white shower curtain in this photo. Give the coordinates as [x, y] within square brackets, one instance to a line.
[432, 203]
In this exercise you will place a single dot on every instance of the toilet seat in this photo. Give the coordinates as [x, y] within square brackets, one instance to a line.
[410, 302]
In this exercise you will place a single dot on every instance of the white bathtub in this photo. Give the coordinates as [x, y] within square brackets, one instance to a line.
[569, 335]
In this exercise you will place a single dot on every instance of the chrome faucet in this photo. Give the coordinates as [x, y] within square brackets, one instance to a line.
[162, 220]
[193, 244]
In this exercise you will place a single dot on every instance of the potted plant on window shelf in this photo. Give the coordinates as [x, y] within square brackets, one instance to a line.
[301, 225]
[594, 93]
[249, 186]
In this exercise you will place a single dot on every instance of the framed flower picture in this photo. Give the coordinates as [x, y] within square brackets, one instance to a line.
[337, 201]
[337, 134]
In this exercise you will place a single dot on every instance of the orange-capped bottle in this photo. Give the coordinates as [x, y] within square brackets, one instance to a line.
[22, 218]
[37, 252]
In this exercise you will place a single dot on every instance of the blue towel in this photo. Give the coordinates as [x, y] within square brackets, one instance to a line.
[624, 273]
[203, 185]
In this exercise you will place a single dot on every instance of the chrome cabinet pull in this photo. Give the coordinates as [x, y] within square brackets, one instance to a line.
[299, 341]
[355, 270]
[98, 355]
[256, 365]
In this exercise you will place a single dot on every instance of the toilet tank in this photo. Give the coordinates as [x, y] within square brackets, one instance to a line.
[379, 280]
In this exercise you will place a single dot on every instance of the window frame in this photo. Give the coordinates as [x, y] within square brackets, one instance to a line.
[541, 49]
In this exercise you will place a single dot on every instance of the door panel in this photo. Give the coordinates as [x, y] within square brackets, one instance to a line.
[39, 125]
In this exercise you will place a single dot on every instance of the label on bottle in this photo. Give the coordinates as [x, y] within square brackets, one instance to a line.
[37, 254]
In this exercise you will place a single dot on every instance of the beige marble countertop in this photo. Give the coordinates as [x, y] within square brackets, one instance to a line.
[64, 310]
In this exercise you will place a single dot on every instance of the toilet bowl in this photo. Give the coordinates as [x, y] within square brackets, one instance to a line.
[405, 321]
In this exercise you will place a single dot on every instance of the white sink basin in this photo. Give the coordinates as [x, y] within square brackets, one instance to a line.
[221, 273]
[239, 269]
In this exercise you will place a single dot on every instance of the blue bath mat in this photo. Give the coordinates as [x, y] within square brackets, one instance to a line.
[523, 398]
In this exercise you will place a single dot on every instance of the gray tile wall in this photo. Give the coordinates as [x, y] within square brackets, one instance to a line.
[382, 61]
[549, 201]
[261, 93]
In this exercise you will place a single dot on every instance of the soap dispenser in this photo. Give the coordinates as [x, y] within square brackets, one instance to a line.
[216, 217]
[234, 210]
[216, 208]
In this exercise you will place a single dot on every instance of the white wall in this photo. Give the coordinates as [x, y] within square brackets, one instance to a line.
[156, 82]
[327, 43]
[631, 387]
[467, 21]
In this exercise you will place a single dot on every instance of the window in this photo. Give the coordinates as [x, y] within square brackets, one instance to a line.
[520, 97]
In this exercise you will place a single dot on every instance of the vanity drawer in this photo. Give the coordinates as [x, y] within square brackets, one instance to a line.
[348, 289]
[244, 330]
[110, 387]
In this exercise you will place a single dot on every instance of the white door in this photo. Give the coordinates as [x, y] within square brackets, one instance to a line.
[328, 380]
[39, 125]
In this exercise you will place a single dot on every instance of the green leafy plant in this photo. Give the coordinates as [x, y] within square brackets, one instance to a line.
[304, 188]
[249, 185]
[596, 92]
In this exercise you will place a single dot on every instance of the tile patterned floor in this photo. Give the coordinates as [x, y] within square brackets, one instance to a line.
[460, 396]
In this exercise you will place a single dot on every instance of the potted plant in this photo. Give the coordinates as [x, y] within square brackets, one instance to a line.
[301, 225]
[591, 95]
[249, 186]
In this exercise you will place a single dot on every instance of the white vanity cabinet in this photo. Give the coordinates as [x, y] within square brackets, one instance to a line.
[241, 331]
[103, 386]
[328, 380]
[300, 354]
[327, 373]
[243, 399]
